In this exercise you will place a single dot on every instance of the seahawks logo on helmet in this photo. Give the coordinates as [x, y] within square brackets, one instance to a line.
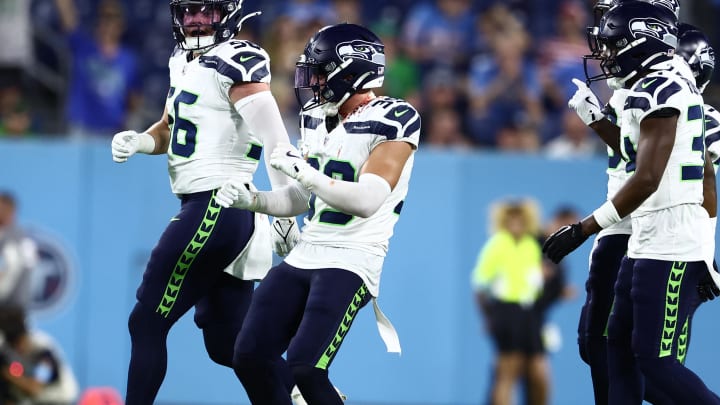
[362, 50]
[652, 27]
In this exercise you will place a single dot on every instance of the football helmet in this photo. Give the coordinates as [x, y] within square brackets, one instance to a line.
[602, 6]
[695, 48]
[338, 61]
[213, 22]
[630, 38]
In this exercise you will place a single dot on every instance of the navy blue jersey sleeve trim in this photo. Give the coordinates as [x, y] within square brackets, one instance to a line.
[669, 91]
[309, 122]
[640, 103]
[371, 127]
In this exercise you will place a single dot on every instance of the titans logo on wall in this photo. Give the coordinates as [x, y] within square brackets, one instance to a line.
[53, 278]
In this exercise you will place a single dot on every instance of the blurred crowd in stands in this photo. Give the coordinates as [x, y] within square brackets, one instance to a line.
[491, 74]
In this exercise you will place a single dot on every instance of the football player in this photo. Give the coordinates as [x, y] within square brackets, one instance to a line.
[610, 245]
[219, 115]
[352, 173]
[662, 127]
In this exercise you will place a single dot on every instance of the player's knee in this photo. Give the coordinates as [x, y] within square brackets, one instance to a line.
[145, 322]
[219, 343]
[247, 365]
[308, 376]
[656, 368]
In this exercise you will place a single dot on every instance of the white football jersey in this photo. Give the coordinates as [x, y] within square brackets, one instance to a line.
[334, 239]
[665, 225]
[209, 139]
[617, 175]
[712, 134]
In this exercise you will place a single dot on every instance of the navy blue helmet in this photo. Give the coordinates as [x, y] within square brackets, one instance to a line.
[630, 38]
[695, 48]
[202, 24]
[338, 61]
[602, 7]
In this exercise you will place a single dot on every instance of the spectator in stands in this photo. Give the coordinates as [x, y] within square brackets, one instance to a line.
[440, 32]
[440, 89]
[507, 281]
[32, 368]
[347, 11]
[575, 141]
[504, 88]
[105, 81]
[15, 119]
[560, 59]
[402, 75]
[16, 53]
[445, 129]
[18, 257]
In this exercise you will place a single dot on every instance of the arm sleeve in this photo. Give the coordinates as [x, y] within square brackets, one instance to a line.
[361, 199]
[287, 201]
[262, 115]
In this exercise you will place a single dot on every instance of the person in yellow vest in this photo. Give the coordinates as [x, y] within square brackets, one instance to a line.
[507, 280]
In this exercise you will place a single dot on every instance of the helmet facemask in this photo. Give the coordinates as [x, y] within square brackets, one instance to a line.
[201, 24]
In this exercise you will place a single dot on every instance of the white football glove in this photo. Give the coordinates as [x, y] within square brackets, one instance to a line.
[236, 195]
[285, 235]
[585, 103]
[127, 143]
[287, 159]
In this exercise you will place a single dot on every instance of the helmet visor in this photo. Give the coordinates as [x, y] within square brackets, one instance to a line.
[309, 83]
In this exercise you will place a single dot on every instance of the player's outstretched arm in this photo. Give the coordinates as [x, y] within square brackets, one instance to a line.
[258, 108]
[363, 198]
[587, 106]
[655, 144]
[287, 201]
[154, 141]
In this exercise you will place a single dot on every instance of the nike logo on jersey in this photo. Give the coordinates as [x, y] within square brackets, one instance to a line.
[645, 85]
[244, 59]
[399, 114]
[173, 219]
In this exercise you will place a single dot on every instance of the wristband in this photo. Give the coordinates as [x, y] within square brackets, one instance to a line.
[606, 215]
[146, 143]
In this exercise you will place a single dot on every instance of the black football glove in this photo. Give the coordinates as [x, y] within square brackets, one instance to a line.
[563, 241]
[707, 288]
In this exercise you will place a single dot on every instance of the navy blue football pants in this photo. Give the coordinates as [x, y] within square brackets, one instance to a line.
[605, 261]
[185, 270]
[648, 332]
[306, 313]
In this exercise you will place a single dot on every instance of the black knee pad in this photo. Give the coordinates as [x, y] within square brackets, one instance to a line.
[144, 321]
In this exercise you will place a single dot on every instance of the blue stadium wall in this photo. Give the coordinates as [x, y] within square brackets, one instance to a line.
[108, 216]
